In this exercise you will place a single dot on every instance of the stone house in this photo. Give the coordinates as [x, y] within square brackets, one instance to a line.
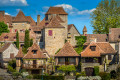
[67, 56]
[35, 61]
[72, 32]
[7, 53]
[97, 54]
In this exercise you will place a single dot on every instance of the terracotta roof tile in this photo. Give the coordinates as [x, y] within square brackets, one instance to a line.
[42, 23]
[84, 29]
[67, 51]
[102, 48]
[6, 45]
[39, 54]
[20, 54]
[32, 22]
[69, 26]
[56, 10]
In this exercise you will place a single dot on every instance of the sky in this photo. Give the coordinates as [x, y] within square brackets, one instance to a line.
[78, 10]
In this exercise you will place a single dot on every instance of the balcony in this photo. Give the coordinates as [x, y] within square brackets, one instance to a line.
[34, 66]
[66, 63]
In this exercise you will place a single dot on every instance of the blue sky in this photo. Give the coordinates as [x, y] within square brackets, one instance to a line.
[78, 10]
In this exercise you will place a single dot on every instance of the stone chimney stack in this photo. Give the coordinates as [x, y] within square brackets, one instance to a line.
[3, 12]
[38, 19]
[84, 31]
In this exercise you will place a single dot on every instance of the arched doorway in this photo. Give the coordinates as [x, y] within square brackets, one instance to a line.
[89, 71]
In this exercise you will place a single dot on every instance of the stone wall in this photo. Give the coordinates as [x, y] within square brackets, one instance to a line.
[55, 42]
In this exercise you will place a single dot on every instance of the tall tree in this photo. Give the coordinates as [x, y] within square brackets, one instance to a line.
[3, 28]
[31, 42]
[17, 40]
[106, 15]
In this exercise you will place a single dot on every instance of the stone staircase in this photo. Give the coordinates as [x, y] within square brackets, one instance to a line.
[112, 67]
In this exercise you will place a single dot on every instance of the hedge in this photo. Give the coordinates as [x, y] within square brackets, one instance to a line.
[105, 76]
[96, 70]
[48, 77]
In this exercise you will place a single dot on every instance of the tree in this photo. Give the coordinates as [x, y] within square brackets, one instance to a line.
[17, 40]
[106, 15]
[3, 28]
[67, 68]
[31, 42]
[80, 41]
[26, 41]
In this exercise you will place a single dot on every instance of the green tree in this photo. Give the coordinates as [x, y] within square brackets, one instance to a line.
[31, 42]
[96, 70]
[67, 68]
[26, 41]
[17, 40]
[106, 15]
[3, 28]
[80, 41]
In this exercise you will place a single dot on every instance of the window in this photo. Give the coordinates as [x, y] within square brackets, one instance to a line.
[88, 60]
[34, 51]
[6, 37]
[109, 57]
[50, 32]
[93, 48]
[12, 55]
[46, 23]
[15, 30]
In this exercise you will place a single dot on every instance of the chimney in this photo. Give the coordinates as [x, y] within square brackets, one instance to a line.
[38, 19]
[3, 12]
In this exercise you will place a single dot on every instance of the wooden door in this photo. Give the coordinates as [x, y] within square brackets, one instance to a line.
[66, 61]
[34, 63]
[89, 71]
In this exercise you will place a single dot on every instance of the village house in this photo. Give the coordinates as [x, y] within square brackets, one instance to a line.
[35, 61]
[7, 52]
[98, 54]
[67, 56]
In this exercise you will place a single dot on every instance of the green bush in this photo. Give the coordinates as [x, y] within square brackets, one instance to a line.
[80, 74]
[12, 63]
[48, 77]
[11, 69]
[16, 74]
[105, 76]
[96, 70]
[113, 74]
[29, 77]
[23, 70]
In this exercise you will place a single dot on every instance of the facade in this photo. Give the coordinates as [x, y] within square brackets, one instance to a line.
[97, 54]
[7, 53]
[67, 56]
[35, 61]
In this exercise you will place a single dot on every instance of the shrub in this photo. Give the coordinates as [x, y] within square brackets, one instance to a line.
[96, 70]
[29, 77]
[11, 69]
[12, 63]
[113, 74]
[23, 70]
[105, 76]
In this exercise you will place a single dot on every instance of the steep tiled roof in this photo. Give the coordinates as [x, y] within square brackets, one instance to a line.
[39, 54]
[6, 45]
[32, 22]
[114, 34]
[20, 54]
[98, 37]
[56, 10]
[54, 23]
[69, 26]
[102, 48]
[3, 18]
[36, 28]
[11, 36]
[67, 51]
[42, 23]
[84, 29]
[20, 17]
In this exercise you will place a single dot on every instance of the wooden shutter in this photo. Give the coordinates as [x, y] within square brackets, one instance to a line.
[50, 32]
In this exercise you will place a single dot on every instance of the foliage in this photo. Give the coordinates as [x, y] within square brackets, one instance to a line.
[31, 42]
[65, 40]
[66, 68]
[29, 77]
[80, 41]
[23, 70]
[96, 70]
[17, 40]
[58, 51]
[12, 63]
[11, 69]
[104, 76]
[80, 74]
[37, 76]
[16, 74]
[113, 74]
[26, 41]
[1, 78]
[3, 28]
[106, 15]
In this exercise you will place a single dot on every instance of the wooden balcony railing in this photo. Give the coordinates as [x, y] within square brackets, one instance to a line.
[34, 66]
[67, 63]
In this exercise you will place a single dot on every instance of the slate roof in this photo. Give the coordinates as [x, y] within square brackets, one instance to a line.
[102, 48]
[20, 54]
[56, 10]
[67, 51]
[6, 45]
[39, 54]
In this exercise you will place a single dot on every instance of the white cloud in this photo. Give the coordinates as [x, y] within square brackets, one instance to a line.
[7, 14]
[86, 11]
[13, 3]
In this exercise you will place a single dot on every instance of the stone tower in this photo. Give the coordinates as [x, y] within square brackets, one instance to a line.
[84, 30]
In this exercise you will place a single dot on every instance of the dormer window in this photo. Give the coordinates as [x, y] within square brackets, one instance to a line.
[34, 51]
[6, 37]
[93, 48]
[50, 33]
